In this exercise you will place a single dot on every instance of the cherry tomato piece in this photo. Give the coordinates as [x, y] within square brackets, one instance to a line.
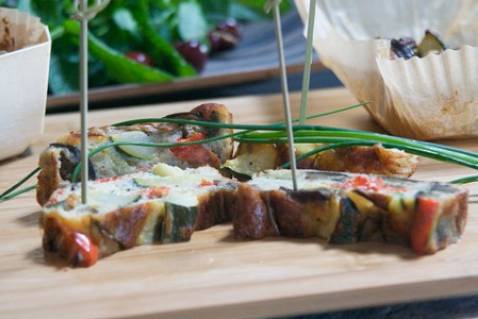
[194, 52]
[225, 36]
[230, 26]
[140, 57]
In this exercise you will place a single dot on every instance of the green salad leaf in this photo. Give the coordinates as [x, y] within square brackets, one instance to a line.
[124, 20]
[119, 67]
[150, 27]
[163, 52]
[192, 23]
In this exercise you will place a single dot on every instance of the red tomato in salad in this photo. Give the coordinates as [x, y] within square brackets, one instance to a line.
[140, 57]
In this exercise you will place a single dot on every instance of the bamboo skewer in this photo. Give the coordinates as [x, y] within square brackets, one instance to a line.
[84, 102]
[83, 14]
[308, 62]
[275, 4]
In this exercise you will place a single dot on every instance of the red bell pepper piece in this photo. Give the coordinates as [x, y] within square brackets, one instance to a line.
[196, 154]
[157, 192]
[87, 252]
[422, 228]
[188, 151]
[205, 182]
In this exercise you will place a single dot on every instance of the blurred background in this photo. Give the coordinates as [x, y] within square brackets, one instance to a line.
[151, 51]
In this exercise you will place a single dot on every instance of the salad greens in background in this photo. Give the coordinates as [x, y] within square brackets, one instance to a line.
[141, 41]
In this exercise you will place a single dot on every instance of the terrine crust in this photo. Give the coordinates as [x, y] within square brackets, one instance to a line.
[137, 224]
[58, 160]
[336, 218]
[340, 208]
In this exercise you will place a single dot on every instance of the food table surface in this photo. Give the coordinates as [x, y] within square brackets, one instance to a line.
[213, 275]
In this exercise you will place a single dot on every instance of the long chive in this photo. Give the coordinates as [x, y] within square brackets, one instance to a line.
[321, 134]
[359, 135]
[12, 195]
[336, 111]
[19, 183]
[308, 61]
[470, 158]
[310, 117]
[335, 137]
[413, 148]
[219, 125]
[465, 180]
[76, 170]
[273, 126]
[103, 147]
[459, 150]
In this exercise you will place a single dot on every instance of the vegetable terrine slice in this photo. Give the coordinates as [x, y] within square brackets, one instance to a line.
[58, 161]
[250, 159]
[168, 204]
[347, 208]
[161, 206]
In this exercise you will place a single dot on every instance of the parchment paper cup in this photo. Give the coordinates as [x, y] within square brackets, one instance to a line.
[426, 98]
[24, 68]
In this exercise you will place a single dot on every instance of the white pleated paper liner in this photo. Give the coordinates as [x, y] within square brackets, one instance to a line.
[19, 30]
[23, 80]
[435, 96]
[429, 98]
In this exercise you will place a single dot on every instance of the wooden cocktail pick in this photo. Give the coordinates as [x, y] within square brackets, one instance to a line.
[274, 5]
[308, 62]
[83, 13]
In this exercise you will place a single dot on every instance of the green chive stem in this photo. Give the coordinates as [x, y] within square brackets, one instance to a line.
[308, 62]
[334, 137]
[76, 170]
[437, 154]
[273, 126]
[103, 147]
[19, 183]
[397, 142]
[465, 180]
[17, 193]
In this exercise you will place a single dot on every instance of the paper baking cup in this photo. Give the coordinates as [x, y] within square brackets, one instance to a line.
[19, 29]
[426, 98]
[23, 80]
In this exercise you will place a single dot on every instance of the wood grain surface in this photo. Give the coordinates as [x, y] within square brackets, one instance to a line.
[213, 275]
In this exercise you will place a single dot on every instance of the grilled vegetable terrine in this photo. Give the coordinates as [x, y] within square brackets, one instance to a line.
[164, 205]
[347, 208]
[59, 160]
[254, 158]
[167, 204]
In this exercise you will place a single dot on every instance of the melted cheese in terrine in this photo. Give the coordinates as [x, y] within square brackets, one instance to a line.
[312, 179]
[164, 183]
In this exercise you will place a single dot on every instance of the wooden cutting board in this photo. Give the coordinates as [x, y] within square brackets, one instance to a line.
[214, 275]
